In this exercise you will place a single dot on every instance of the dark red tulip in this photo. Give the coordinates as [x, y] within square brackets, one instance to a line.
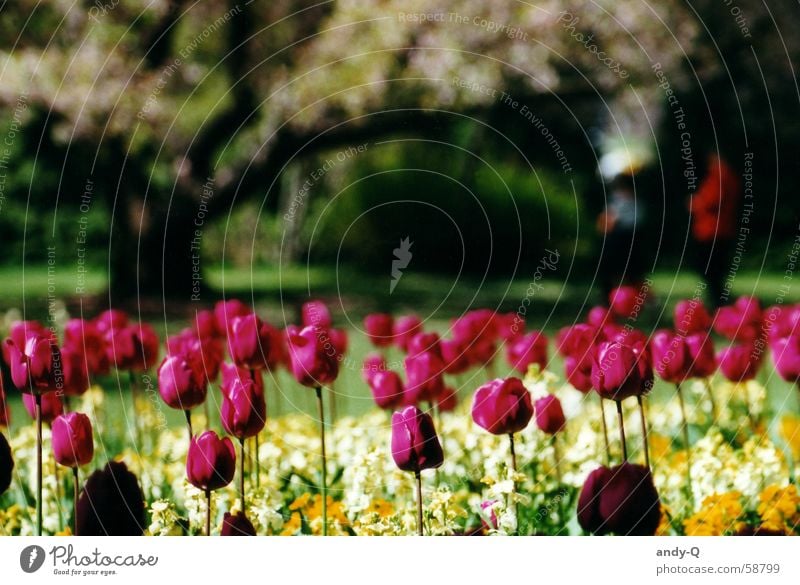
[424, 342]
[525, 350]
[502, 407]
[236, 525]
[6, 464]
[671, 359]
[316, 314]
[111, 319]
[782, 321]
[231, 373]
[622, 500]
[180, 386]
[549, 414]
[378, 327]
[387, 389]
[84, 338]
[72, 439]
[373, 363]
[476, 326]
[132, 348]
[339, 341]
[741, 321]
[226, 311]
[509, 325]
[51, 406]
[244, 410]
[75, 373]
[313, 364]
[579, 372]
[248, 342]
[619, 371]
[623, 300]
[415, 445]
[19, 333]
[786, 355]
[447, 399]
[211, 461]
[454, 356]
[205, 324]
[404, 329]
[576, 340]
[204, 356]
[35, 366]
[111, 503]
[739, 362]
[424, 377]
[701, 352]
[691, 316]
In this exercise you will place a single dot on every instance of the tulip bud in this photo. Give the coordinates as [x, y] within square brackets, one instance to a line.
[691, 316]
[249, 342]
[226, 311]
[205, 324]
[502, 406]
[526, 350]
[313, 364]
[378, 327]
[72, 440]
[211, 461]
[404, 329]
[74, 369]
[579, 372]
[509, 325]
[51, 406]
[373, 363]
[244, 410]
[786, 355]
[455, 356]
[236, 525]
[132, 348]
[623, 300]
[19, 333]
[622, 500]
[425, 342]
[549, 415]
[619, 371]
[599, 317]
[738, 363]
[576, 340]
[316, 314]
[424, 377]
[111, 503]
[6, 464]
[36, 365]
[179, 385]
[671, 359]
[701, 353]
[741, 321]
[415, 445]
[387, 389]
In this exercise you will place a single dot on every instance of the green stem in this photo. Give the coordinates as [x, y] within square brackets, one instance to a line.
[75, 495]
[188, 414]
[208, 512]
[38, 398]
[710, 391]
[324, 487]
[645, 445]
[621, 420]
[685, 430]
[419, 503]
[241, 474]
[605, 431]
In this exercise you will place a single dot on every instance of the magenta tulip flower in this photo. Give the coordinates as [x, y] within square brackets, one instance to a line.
[425, 342]
[35, 366]
[373, 363]
[181, 386]
[671, 359]
[502, 406]
[579, 372]
[312, 364]
[74, 371]
[82, 337]
[316, 314]
[738, 362]
[455, 356]
[549, 415]
[404, 329]
[741, 321]
[133, 348]
[621, 499]
[525, 350]
[623, 300]
[226, 311]
[387, 389]
[73, 445]
[378, 327]
[599, 317]
[786, 355]
[424, 377]
[691, 316]
[205, 324]
[244, 410]
[619, 371]
[51, 406]
[701, 353]
[247, 346]
[236, 525]
[211, 461]
[415, 445]
[111, 319]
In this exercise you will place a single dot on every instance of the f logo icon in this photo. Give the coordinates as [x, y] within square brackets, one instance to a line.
[31, 558]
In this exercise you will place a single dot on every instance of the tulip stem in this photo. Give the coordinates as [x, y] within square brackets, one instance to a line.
[188, 414]
[605, 431]
[257, 465]
[419, 503]
[324, 486]
[645, 443]
[208, 512]
[685, 430]
[132, 385]
[75, 495]
[557, 459]
[621, 420]
[38, 399]
[513, 452]
[241, 474]
[712, 399]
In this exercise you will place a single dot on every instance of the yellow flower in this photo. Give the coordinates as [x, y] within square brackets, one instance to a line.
[380, 507]
[779, 508]
[720, 514]
[790, 431]
[293, 526]
[300, 502]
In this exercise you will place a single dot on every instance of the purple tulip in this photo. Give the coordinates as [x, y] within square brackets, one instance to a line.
[404, 329]
[424, 377]
[671, 359]
[244, 410]
[313, 364]
[180, 386]
[72, 440]
[36, 365]
[619, 371]
[378, 327]
[525, 350]
[691, 316]
[738, 362]
[502, 406]
[415, 445]
[786, 355]
[211, 461]
[51, 406]
[236, 525]
[549, 415]
[387, 389]
[111, 503]
[316, 314]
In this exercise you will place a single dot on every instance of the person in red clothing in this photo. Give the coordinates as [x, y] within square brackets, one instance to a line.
[714, 209]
